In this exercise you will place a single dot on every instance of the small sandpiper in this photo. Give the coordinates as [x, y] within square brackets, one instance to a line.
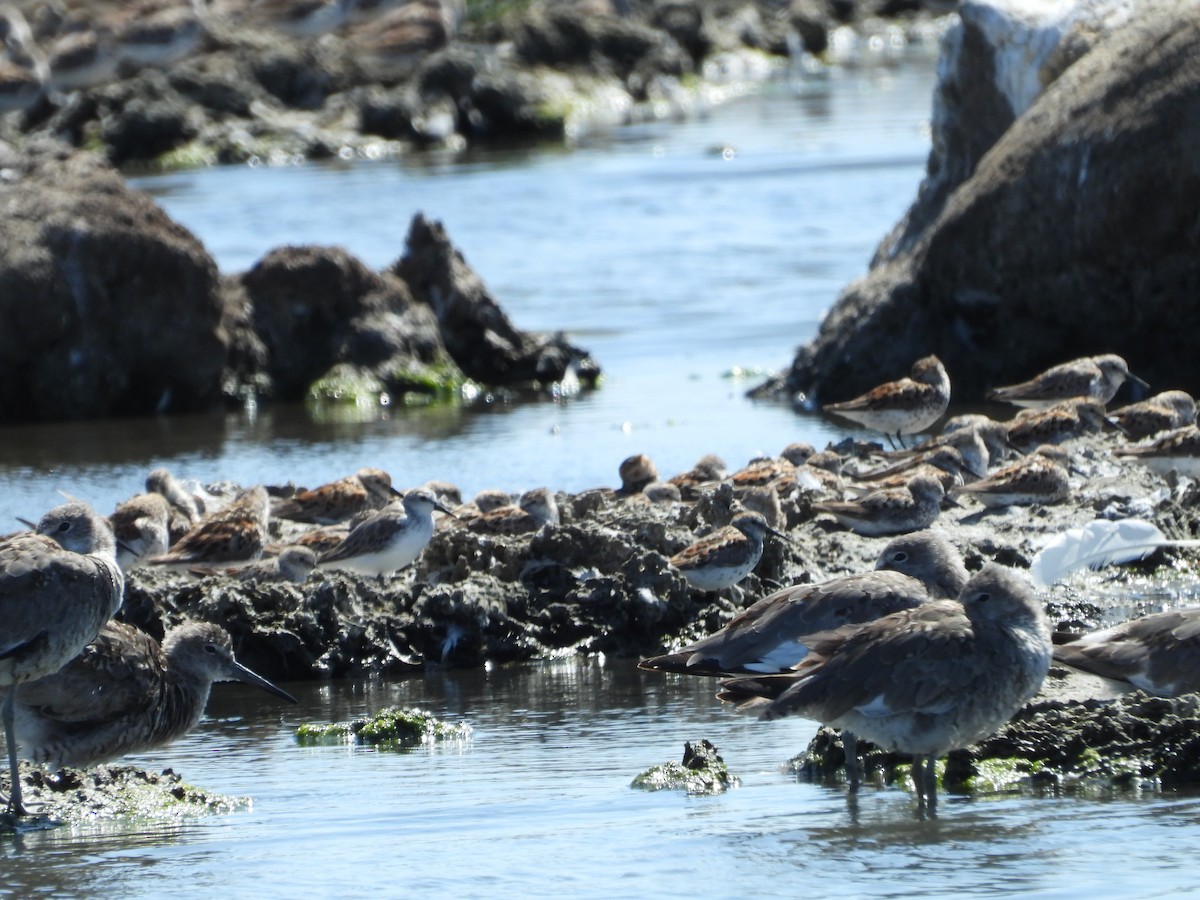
[708, 470]
[924, 681]
[901, 407]
[943, 463]
[720, 560]
[339, 500]
[23, 66]
[236, 533]
[159, 33]
[893, 511]
[636, 472]
[185, 511]
[1176, 451]
[1088, 378]
[1162, 412]
[126, 694]
[1062, 422]
[389, 539]
[142, 528]
[535, 508]
[1157, 653]
[58, 586]
[1041, 478]
[291, 564]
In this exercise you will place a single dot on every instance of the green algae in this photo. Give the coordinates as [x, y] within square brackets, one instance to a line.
[702, 771]
[395, 727]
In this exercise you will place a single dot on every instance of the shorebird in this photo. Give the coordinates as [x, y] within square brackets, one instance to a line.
[339, 500]
[901, 407]
[236, 533]
[945, 464]
[534, 509]
[636, 473]
[58, 586]
[292, 564]
[708, 469]
[769, 637]
[159, 33]
[892, 511]
[1088, 378]
[126, 694]
[141, 527]
[389, 539]
[301, 19]
[923, 681]
[1039, 478]
[721, 559]
[1176, 451]
[1063, 422]
[1159, 653]
[185, 512]
[1162, 412]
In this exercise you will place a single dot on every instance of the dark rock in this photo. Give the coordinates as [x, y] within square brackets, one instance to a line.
[107, 307]
[1050, 248]
[476, 332]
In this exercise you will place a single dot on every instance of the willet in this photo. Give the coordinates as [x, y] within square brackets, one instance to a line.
[901, 407]
[388, 540]
[58, 586]
[1159, 653]
[1088, 378]
[924, 681]
[769, 637]
[126, 694]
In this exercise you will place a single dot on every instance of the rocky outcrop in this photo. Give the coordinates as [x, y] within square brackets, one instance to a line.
[1073, 233]
[107, 307]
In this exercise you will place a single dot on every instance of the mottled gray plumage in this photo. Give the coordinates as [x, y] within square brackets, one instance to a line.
[924, 681]
[126, 694]
[1159, 653]
[58, 586]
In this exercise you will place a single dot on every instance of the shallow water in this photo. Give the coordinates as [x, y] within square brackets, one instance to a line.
[674, 263]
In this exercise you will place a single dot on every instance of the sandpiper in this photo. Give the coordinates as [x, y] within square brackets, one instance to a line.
[1162, 412]
[185, 512]
[993, 433]
[339, 500]
[159, 33]
[389, 539]
[943, 463]
[1176, 451]
[534, 509]
[901, 407]
[82, 59]
[302, 19]
[141, 526]
[720, 560]
[126, 694]
[1088, 378]
[636, 473]
[1157, 653]
[291, 564]
[769, 637]
[391, 44]
[976, 451]
[1062, 422]
[923, 681]
[236, 533]
[1039, 478]
[893, 511]
[708, 470]
[58, 586]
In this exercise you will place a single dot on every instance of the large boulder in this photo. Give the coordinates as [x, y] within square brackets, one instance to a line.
[1075, 233]
[107, 307]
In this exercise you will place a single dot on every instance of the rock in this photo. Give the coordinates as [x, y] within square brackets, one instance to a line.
[107, 307]
[393, 727]
[1051, 247]
[476, 332]
[702, 771]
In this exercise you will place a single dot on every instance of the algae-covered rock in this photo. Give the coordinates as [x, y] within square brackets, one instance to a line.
[392, 727]
[702, 771]
[74, 796]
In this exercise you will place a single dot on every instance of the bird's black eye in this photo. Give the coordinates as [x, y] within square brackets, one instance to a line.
[980, 598]
[899, 556]
[210, 648]
[64, 527]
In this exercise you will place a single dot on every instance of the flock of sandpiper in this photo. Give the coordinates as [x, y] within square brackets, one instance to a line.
[56, 48]
[918, 656]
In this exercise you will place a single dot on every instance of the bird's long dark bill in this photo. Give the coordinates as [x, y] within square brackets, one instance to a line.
[246, 676]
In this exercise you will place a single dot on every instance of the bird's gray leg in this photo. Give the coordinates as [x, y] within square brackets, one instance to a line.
[15, 807]
[850, 748]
